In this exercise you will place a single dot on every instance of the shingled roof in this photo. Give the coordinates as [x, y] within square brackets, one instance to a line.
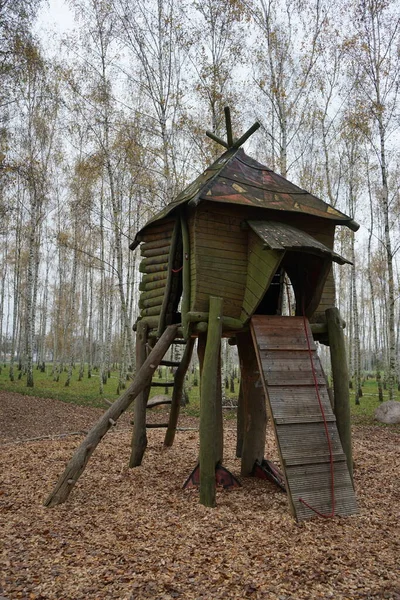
[235, 178]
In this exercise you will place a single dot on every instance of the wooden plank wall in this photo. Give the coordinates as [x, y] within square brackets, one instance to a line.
[155, 251]
[218, 257]
[218, 260]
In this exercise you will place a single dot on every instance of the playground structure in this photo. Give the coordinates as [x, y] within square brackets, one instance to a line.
[215, 264]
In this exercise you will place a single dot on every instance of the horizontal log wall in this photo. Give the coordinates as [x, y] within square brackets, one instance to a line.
[155, 251]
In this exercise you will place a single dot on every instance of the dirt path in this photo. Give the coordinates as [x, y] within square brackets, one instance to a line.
[134, 534]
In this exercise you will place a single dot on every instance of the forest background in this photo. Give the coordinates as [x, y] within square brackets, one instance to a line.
[102, 126]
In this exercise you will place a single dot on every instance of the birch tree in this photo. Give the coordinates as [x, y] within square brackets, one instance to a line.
[286, 54]
[152, 34]
[375, 60]
[216, 53]
[98, 108]
[38, 103]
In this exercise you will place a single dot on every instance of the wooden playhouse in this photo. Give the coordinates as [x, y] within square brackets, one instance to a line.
[214, 264]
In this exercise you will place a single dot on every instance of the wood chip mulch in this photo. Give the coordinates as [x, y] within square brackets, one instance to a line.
[132, 534]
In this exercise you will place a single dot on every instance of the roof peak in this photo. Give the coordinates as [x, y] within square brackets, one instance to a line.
[231, 142]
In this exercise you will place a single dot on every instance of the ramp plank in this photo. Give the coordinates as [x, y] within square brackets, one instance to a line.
[287, 376]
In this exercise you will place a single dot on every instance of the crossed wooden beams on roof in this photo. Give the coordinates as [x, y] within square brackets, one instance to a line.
[231, 142]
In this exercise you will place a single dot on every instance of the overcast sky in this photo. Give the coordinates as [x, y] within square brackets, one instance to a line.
[55, 14]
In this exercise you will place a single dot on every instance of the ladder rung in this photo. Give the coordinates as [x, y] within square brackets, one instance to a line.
[304, 419]
[301, 384]
[169, 363]
[161, 384]
[298, 461]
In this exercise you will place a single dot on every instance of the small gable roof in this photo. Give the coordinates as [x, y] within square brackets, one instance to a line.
[281, 236]
[235, 178]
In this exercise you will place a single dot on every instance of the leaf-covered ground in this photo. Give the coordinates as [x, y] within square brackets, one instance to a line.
[135, 534]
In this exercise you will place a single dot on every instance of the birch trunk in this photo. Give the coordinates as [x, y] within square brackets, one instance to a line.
[373, 299]
[30, 294]
[16, 295]
[72, 317]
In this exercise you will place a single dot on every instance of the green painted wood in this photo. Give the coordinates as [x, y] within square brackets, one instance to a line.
[255, 286]
[149, 252]
[152, 277]
[238, 280]
[152, 322]
[229, 293]
[154, 268]
[254, 412]
[153, 260]
[216, 263]
[167, 290]
[210, 241]
[150, 312]
[232, 305]
[150, 302]
[139, 436]
[163, 226]
[152, 285]
[152, 293]
[262, 266]
[186, 269]
[227, 322]
[179, 380]
[208, 393]
[340, 382]
[154, 237]
[155, 245]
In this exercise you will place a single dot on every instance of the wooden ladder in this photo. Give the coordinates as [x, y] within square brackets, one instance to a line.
[165, 384]
[287, 377]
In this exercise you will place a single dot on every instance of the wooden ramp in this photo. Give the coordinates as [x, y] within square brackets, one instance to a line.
[294, 409]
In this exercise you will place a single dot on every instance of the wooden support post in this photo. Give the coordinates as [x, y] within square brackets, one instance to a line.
[185, 305]
[78, 462]
[254, 406]
[340, 376]
[139, 435]
[219, 419]
[179, 380]
[208, 429]
[219, 429]
[240, 422]
[201, 348]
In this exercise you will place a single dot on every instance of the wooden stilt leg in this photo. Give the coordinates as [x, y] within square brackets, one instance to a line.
[219, 422]
[139, 434]
[177, 393]
[340, 375]
[209, 378]
[219, 431]
[254, 405]
[201, 348]
[240, 422]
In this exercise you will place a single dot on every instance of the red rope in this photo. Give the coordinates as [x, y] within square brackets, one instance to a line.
[332, 513]
[177, 270]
